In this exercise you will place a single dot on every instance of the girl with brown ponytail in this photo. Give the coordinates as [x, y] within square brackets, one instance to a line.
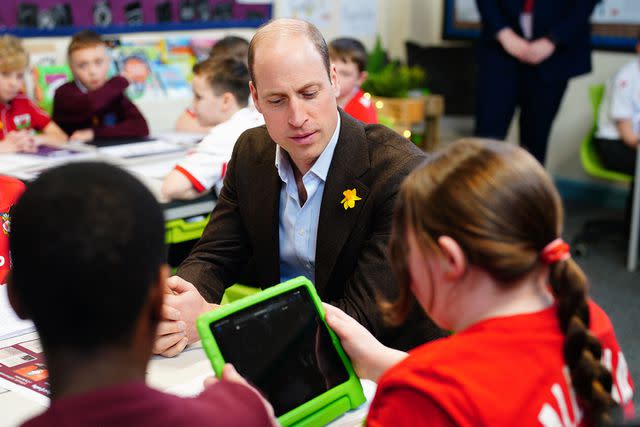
[476, 242]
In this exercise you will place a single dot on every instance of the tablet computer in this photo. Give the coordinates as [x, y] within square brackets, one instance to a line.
[279, 341]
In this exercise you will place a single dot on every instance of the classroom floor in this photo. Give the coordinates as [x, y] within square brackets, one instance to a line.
[614, 288]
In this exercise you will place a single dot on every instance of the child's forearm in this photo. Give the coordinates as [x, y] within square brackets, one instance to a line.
[627, 135]
[52, 135]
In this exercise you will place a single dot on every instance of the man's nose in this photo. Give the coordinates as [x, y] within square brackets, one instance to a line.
[297, 113]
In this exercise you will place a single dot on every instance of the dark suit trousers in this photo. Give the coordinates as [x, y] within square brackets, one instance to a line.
[503, 88]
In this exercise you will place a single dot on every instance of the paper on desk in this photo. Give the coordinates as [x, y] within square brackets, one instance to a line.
[23, 370]
[141, 149]
[153, 169]
[10, 324]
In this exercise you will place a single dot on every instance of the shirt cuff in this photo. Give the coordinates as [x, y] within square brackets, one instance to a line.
[197, 185]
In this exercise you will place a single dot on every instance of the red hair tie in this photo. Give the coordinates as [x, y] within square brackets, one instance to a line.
[558, 250]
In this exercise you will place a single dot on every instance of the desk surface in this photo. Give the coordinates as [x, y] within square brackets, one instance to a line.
[182, 375]
[147, 162]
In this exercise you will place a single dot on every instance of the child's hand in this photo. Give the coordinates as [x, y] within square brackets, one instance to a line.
[23, 140]
[370, 358]
[82, 135]
[7, 147]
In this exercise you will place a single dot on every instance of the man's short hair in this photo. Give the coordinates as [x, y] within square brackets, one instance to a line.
[87, 243]
[13, 56]
[84, 39]
[233, 46]
[347, 49]
[291, 27]
[226, 74]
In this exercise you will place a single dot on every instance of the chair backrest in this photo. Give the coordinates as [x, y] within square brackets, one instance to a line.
[588, 154]
[596, 92]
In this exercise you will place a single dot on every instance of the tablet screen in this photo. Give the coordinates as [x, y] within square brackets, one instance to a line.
[283, 348]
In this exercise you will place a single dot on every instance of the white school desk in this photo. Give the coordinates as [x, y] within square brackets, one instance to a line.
[634, 232]
[148, 168]
[181, 375]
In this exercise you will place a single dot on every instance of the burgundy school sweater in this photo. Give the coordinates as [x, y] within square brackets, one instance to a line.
[106, 110]
[135, 404]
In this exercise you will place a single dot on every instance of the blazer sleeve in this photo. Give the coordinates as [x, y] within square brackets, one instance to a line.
[573, 22]
[492, 17]
[224, 248]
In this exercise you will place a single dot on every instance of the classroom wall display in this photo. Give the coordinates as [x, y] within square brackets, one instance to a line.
[615, 24]
[33, 18]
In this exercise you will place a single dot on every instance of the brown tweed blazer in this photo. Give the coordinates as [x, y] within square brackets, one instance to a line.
[240, 243]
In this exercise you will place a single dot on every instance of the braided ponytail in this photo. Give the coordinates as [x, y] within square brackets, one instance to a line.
[582, 351]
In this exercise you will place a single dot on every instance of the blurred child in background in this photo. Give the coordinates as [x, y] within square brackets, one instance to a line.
[220, 102]
[231, 46]
[93, 106]
[350, 59]
[19, 116]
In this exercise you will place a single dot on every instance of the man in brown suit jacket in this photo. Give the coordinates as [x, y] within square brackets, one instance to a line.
[277, 165]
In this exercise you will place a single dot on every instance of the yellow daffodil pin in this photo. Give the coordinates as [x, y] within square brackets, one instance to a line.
[350, 198]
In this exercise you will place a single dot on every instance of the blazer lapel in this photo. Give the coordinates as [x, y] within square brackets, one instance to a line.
[350, 161]
[266, 205]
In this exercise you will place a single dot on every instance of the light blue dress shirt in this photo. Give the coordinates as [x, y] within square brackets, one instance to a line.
[298, 225]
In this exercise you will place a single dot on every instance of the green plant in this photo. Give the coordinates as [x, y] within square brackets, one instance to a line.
[394, 80]
[390, 79]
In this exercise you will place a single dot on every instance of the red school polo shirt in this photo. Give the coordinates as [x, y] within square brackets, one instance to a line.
[21, 113]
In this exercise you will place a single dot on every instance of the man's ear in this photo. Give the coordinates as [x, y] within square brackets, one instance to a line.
[254, 96]
[362, 77]
[14, 299]
[333, 76]
[454, 258]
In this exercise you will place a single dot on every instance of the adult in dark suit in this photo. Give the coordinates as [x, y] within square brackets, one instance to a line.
[527, 52]
[281, 211]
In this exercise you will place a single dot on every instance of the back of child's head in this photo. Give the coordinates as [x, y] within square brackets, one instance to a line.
[87, 244]
[502, 208]
[347, 50]
[231, 46]
[226, 74]
[84, 39]
[13, 56]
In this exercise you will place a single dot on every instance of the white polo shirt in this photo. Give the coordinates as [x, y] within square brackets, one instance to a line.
[206, 164]
[621, 101]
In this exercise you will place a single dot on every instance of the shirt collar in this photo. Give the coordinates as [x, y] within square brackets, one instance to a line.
[321, 166]
[80, 86]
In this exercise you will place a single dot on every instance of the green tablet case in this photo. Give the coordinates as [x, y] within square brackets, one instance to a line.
[323, 408]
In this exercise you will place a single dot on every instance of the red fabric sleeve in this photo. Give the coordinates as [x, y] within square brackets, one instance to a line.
[406, 407]
[39, 118]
